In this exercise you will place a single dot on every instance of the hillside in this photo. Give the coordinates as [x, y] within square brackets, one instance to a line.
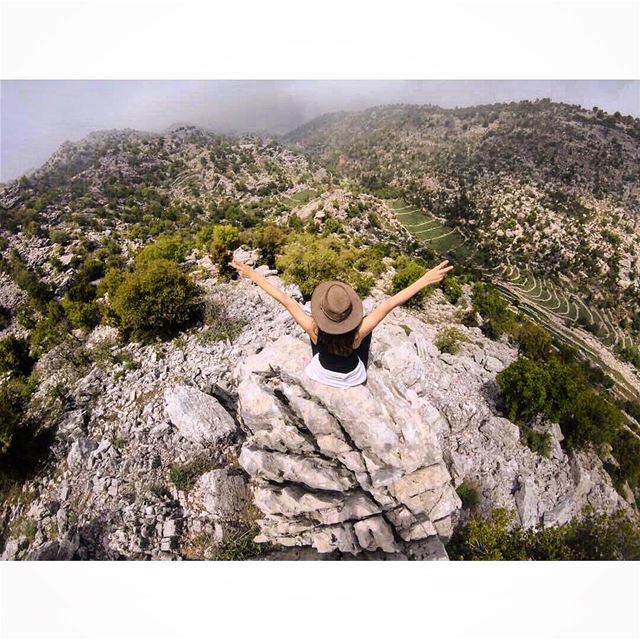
[152, 405]
[545, 197]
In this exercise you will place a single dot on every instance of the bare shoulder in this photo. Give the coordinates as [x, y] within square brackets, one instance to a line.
[360, 334]
[313, 332]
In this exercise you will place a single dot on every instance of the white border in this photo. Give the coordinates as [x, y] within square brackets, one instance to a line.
[332, 39]
[320, 600]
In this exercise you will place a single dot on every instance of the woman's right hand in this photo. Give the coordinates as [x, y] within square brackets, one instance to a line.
[244, 270]
[437, 274]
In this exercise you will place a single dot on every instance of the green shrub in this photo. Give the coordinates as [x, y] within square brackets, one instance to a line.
[559, 391]
[332, 225]
[14, 396]
[469, 493]
[50, 330]
[449, 340]
[539, 442]
[590, 536]
[225, 238]
[81, 291]
[452, 289]
[494, 309]
[27, 279]
[533, 341]
[308, 260]
[172, 248]
[295, 222]
[58, 236]
[407, 272]
[633, 409]
[630, 354]
[25, 315]
[112, 280]
[269, 238]
[626, 451]
[155, 301]
[5, 317]
[594, 419]
[81, 314]
[14, 356]
[524, 386]
[469, 318]
[9, 418]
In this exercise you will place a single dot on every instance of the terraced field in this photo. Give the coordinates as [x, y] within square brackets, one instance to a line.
[626, 382]
[561, 299]
[444, 240]
[555, 305]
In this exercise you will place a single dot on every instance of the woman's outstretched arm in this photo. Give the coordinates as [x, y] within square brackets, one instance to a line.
[371, 321]
[298, 313]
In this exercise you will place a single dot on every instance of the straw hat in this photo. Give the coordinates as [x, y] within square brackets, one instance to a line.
[336, 307]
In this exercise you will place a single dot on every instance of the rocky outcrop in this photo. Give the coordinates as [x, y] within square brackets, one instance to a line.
[365, 473]
[374, 468]
[352, 470]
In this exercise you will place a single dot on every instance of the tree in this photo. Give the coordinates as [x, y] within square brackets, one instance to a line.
[524, 385]
[165, 248]
[14, 356]
[155, 300]
[452, 288]
[533, 341]
[269, 238]
[308, 260]
[593, 419]
[224, 239]
[494, 310]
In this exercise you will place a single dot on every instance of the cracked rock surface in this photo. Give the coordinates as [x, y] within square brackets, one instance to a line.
[352, 470]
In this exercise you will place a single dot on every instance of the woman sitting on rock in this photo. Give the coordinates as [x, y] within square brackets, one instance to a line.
[340, 333]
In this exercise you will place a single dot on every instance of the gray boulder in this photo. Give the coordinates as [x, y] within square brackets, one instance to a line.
[199, 418]
[221, 494]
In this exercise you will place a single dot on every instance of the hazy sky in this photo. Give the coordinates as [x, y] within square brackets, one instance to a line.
[38, 116]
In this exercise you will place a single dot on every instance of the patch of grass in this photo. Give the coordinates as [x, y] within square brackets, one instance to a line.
[107, 353]
[183, 477]
[24, 527]
[449, 340]
[219, 325]
[469, 493]
[537, 441]
[241, 547]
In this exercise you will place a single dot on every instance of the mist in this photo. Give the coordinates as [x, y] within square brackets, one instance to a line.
[36, 117]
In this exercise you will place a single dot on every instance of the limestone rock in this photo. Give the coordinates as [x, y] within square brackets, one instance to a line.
[221, 494]
[198, 417]
[350, 470]
[527, 503]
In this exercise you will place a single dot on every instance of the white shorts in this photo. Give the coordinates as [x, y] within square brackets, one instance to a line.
[333, 378]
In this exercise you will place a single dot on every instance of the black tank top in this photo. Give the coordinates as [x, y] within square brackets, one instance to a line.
[343, 364]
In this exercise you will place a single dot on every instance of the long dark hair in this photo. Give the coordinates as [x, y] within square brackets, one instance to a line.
[340, 344]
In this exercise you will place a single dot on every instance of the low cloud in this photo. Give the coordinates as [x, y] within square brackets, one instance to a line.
[38, 116]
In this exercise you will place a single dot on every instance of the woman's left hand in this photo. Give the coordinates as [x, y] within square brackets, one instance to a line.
[243, 269]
